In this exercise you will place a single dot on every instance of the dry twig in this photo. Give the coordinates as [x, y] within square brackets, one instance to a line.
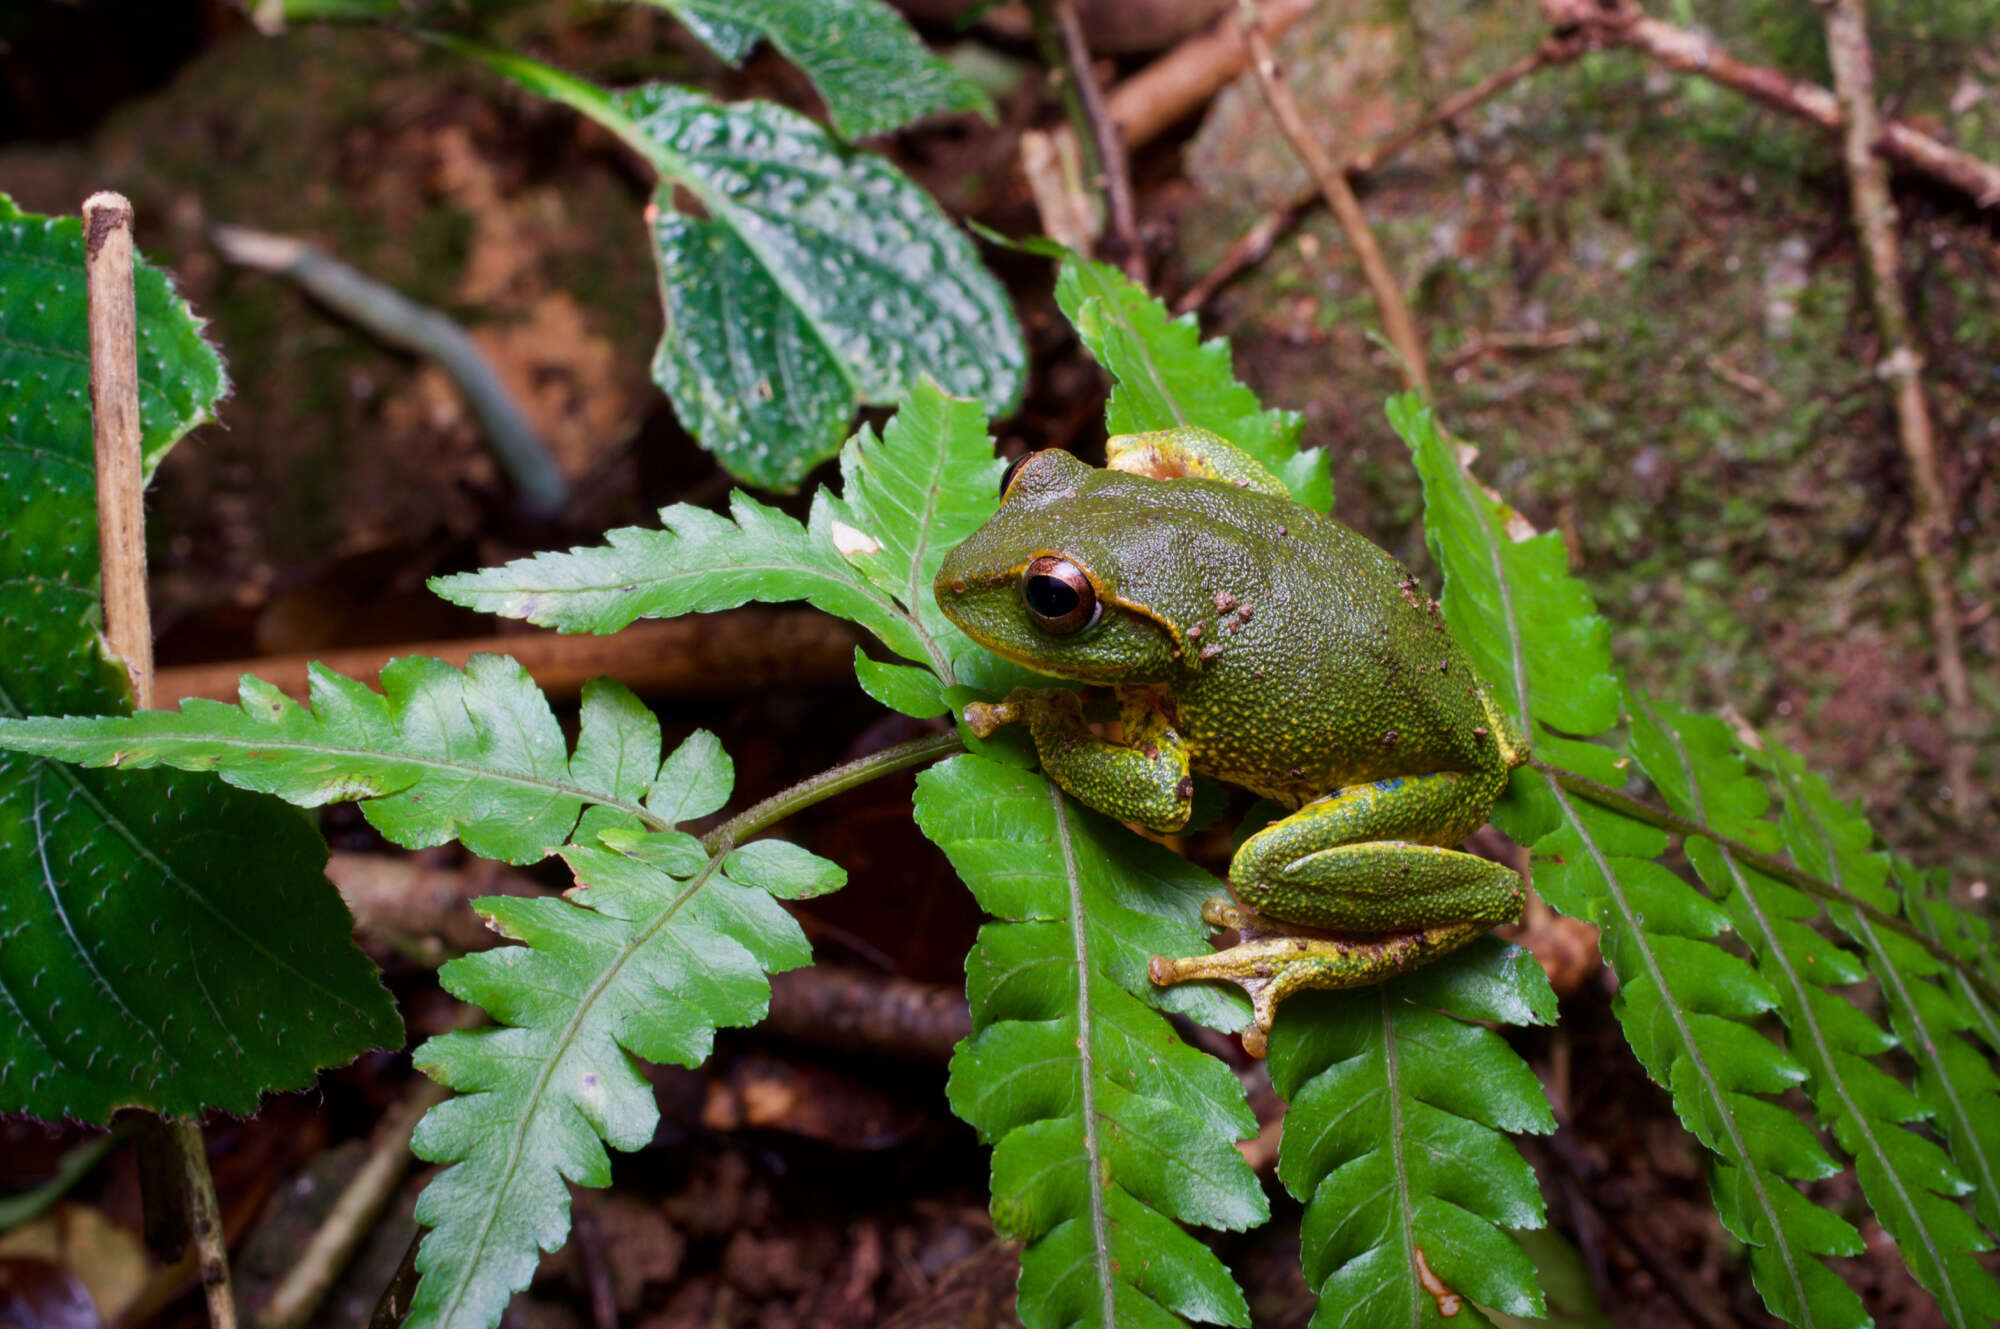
[1929, 530]
[1339, 195]
[1251, 247]
[1599, 24]
[1141, 108]
[1114, 170]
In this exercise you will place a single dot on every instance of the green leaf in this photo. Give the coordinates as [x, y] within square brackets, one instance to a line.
[784, 869]
[1687, 1006]
[906, 688]
[694, 780]
[1108, 1130]
[1955, 1082]
[1393, 1140]
[473, 755]
[1168, 377]
[1909, 1182]
[867, 555]
[870, 69]
[817, 278]
[1531, 629]
[146, 951]
[635, 962]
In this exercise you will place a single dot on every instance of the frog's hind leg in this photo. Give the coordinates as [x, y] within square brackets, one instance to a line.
[1357, 888]
[1272, 964]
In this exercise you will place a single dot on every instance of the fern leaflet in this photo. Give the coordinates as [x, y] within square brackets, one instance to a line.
[1685, 1003]
[1107, 1128]
[1393, 1139]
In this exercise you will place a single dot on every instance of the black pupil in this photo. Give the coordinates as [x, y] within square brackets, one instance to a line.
[1051, 597]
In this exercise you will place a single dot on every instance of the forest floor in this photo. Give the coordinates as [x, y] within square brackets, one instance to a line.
[1642, 297]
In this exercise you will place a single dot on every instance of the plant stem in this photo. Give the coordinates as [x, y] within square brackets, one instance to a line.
[128, 627]
[1771, 866]
[763, 815]
[114, 423]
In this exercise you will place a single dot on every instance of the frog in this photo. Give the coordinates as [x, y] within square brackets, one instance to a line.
[1248, 638]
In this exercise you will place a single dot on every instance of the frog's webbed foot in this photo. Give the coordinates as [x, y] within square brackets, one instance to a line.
[1274, 960]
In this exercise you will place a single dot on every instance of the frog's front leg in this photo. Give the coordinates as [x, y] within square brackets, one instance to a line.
[1142, 779]
[1367, 887]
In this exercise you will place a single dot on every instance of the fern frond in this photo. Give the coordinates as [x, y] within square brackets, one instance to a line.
[1393, 1140]
[1108, 1130]
[1166, 376]
[1686, 1004]
[867, 555]
[1955, 1080]
[1908, 1180]
[636, 961]
[441, 753]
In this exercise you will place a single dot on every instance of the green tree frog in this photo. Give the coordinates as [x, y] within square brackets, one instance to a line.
[1249, 638]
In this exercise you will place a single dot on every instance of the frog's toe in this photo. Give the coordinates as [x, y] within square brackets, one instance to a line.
[1220, 912]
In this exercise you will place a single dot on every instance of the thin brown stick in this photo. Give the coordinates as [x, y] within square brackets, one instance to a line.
[1598, 24]
[1928, 532]
[1251, 247]
[211, 1244]
[114, 421]
[128, 627]
[1185, 78]
[1114, 168]
[333, 1243]
[1339, 195]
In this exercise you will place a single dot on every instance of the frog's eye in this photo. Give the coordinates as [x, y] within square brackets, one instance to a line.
[1058, 595]
[1013, 469]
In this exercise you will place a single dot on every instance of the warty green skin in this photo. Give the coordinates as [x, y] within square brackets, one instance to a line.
[1251, 639]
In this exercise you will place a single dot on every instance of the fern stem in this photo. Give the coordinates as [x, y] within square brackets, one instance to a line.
[837, 780]
[1771, 866]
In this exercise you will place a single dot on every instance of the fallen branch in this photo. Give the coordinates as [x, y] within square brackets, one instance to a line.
[1339, 196]
[1928, 532]
[743, 650]
[1602, 24]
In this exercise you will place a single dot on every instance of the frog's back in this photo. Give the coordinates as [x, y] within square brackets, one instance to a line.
[1312, 659]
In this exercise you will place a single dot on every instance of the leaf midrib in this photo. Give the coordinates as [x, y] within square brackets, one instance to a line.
[1891, 976]
[117, 824]
[1642, 943]
[1802, 1004]
[532, 1101]
[1086, 1056]
[405, 758]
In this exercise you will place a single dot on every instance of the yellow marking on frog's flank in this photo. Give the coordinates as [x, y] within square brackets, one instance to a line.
[1502, 732]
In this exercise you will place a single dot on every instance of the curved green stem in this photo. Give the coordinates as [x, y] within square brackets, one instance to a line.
[762, 815]
[1770, 865]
